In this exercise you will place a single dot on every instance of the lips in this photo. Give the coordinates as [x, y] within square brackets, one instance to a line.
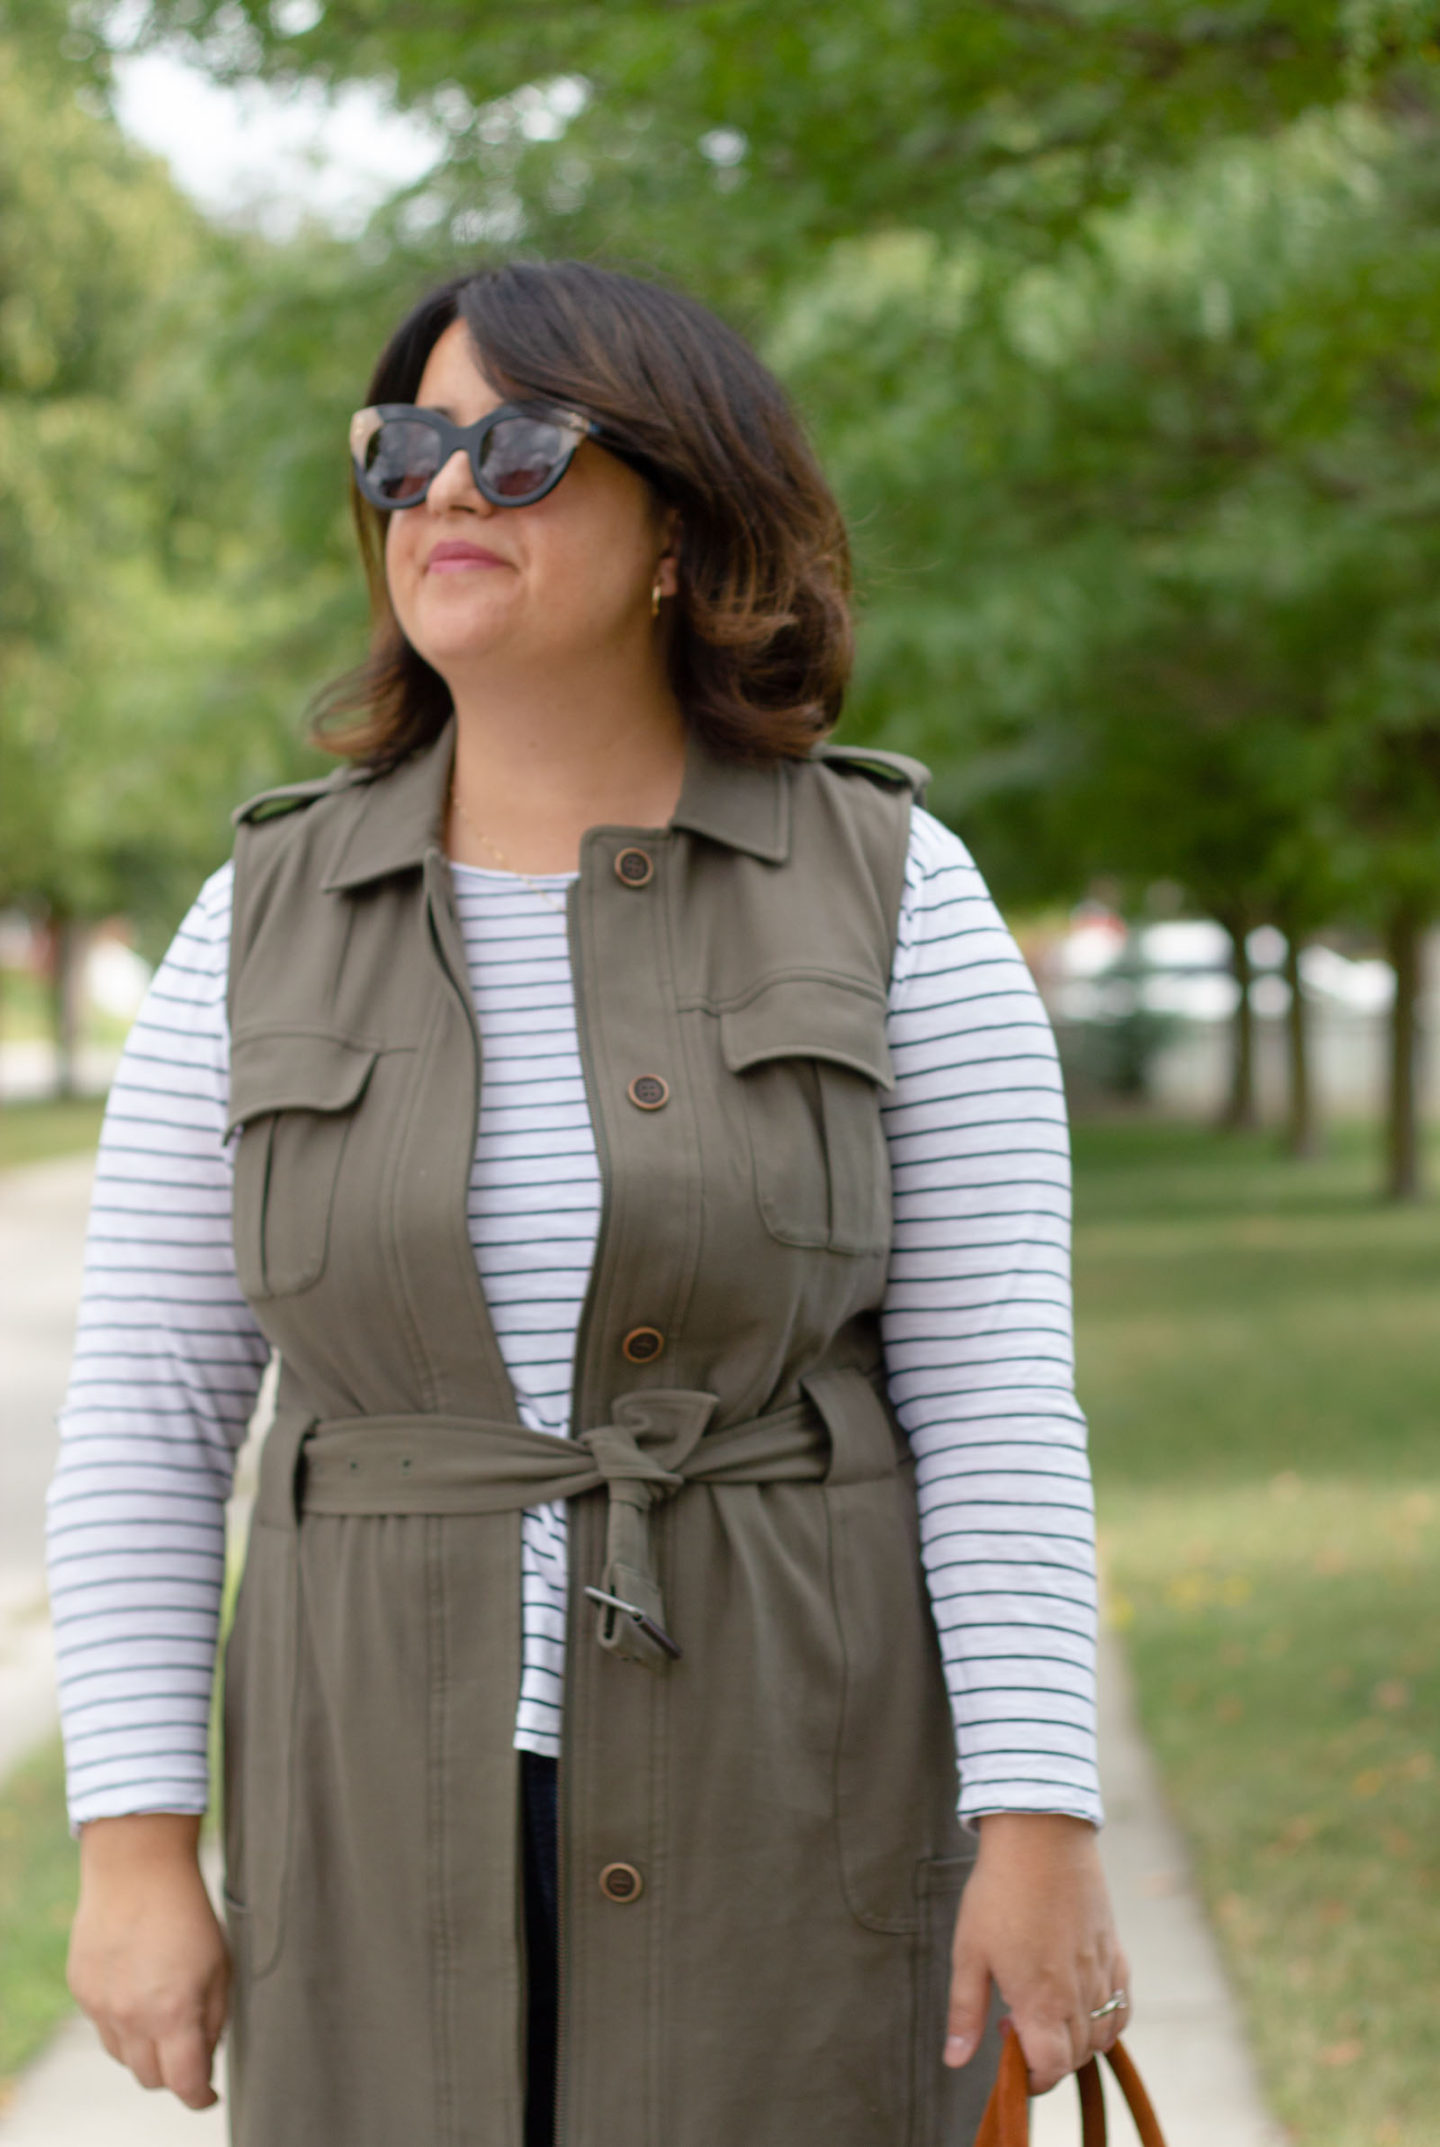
[453, 556]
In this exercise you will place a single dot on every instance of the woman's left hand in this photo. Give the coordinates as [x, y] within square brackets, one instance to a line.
[1036, 1917]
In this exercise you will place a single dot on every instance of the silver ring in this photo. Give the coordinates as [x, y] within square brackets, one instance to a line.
[1117, 2002]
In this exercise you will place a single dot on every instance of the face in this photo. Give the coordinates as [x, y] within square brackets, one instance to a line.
[475, 586]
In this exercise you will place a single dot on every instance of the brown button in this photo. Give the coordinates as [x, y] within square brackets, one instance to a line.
[633, 868]
[621, 1882]
[643, 1344]
[648, 1092]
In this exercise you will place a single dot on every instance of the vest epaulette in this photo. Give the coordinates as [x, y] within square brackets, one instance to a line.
[289, 797]
[894, 769]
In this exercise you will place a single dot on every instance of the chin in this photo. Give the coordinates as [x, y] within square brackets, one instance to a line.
[457, 635]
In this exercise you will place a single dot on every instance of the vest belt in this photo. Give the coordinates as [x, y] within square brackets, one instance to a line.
[656, 1444]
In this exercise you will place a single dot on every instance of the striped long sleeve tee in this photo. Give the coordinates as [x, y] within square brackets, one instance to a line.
[975, 1324]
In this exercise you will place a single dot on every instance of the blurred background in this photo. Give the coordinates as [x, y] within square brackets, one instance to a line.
[1118, 328]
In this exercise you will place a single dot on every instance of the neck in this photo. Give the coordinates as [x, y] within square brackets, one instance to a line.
[537, 762]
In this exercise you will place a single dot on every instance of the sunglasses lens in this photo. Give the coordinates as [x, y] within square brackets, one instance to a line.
[400, 460]
[522, 456]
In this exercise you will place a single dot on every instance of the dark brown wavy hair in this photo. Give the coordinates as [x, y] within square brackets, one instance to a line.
[760, 639]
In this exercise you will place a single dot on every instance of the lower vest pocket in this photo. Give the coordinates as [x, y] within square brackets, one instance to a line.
[237, 1932]
[894, 1768]
[261, 1666]
[947, 2103]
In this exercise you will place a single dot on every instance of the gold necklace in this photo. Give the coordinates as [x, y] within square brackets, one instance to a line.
[499, 855]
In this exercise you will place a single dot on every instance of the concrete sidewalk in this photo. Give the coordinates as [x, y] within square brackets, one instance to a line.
[75, 2095]
[1187, 2036]
[42, 1235]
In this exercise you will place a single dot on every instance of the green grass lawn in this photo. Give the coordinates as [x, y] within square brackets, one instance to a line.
[33, 1132]
[1260, 1359]
[37, 1898]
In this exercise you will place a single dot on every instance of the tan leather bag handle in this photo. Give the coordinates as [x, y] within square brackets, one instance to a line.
[1006, 2122]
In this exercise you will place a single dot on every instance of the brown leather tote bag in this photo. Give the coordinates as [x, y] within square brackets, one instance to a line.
[1006, 2122]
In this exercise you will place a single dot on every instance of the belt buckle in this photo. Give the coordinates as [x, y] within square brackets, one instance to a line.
[646, 1623]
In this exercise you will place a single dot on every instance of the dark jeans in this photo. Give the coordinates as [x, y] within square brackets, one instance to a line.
[539, 1789]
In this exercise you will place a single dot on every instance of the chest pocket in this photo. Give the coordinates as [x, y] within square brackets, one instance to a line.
[293, 1097]
[811, 1057]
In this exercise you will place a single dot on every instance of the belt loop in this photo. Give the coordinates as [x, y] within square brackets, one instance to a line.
[863, 1441]
[282, 1462]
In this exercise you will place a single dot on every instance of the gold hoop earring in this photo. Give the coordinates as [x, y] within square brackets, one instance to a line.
[655, 595]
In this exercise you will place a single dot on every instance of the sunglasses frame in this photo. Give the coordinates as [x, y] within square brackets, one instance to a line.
[470, 440]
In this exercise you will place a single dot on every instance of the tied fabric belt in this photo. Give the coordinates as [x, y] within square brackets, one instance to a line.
[656, 1444]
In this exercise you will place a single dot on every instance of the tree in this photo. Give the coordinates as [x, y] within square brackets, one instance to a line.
[1148, 536]
[165, 604]
[730, 142]
[1113, 323]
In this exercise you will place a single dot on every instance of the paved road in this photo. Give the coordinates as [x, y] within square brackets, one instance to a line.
[1187, 2037]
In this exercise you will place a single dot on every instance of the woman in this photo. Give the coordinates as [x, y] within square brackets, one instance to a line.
[617, 1447]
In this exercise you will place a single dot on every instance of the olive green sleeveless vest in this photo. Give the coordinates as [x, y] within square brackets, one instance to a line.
[760, 1859]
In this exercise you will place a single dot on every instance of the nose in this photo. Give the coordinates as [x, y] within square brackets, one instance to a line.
[453, 485]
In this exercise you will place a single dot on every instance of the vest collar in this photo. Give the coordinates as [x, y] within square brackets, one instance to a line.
[399, 815]
[398, 818]
[745, 808]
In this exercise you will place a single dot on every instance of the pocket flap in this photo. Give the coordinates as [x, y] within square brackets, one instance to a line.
[809, 1018]
[295, 1070]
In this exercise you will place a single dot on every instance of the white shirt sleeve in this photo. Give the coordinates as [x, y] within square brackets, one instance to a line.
[168, 1363]
[978, 1346]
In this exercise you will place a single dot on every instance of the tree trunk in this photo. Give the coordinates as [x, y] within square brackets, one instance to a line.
[67, 941]
[1302, 1137]
[1403, 1171]
[1241, 1108]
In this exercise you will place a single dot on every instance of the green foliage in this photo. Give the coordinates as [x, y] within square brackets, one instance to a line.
[734, 139]
[1146, 530]
[1116, 326]
[169, 597]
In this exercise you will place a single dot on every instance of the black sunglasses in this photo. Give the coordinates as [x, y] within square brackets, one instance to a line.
[518, 452]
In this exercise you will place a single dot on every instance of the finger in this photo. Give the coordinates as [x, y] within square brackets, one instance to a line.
[1122, 1982]
[110, 2038]
[1049, 2051]
[138, 2053]
[969, 2006]
[1103, 2033]
[217, 2005]
[185, 2059]
[1106, 2032]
